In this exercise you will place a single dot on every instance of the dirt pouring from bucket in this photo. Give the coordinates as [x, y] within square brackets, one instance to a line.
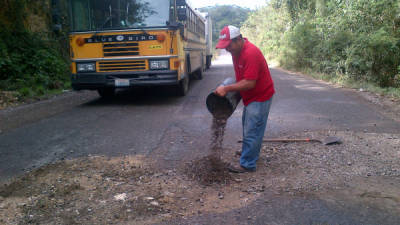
[212, 169]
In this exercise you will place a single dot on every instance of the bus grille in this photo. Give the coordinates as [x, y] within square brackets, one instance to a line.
[124, 49]
[118, 66]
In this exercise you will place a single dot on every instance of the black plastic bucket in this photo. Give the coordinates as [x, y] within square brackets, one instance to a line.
[223, 107]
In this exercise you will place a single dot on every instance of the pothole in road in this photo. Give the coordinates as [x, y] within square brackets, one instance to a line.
[208, 170]
[212, 169]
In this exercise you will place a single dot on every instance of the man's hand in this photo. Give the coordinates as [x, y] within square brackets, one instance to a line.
[220, 91]
[242, 85]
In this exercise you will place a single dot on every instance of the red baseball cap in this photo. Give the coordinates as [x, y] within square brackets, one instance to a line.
[227, 34]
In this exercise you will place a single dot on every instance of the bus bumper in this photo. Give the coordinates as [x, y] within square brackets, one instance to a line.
[92, 81]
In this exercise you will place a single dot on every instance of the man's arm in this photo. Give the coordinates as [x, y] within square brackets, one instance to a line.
[242, 85]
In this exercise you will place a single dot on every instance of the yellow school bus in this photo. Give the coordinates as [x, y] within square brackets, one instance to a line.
[127, 43]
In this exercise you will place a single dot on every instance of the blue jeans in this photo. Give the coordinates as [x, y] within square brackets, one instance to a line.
[254, 121]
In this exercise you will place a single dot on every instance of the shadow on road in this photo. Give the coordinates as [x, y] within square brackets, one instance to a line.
[142, 96]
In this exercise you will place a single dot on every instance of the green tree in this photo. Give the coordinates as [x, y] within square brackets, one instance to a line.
[223, 15]
[359, 39]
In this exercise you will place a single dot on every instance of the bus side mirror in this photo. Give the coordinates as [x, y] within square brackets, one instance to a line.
[182, 14]
[181, 8]
[177, 26]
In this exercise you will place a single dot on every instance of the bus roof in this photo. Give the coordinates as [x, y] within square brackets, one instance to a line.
[197, 12]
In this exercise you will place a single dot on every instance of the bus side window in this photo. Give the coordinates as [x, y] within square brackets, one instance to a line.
[191, 20]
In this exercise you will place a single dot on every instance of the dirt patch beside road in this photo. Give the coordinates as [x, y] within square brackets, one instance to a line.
[99, 190]
[7, 99]
[112, 191]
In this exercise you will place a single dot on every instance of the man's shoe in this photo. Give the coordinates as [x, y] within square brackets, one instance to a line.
[238, 152]
[239, 169]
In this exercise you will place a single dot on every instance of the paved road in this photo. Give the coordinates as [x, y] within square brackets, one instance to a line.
[173, 129]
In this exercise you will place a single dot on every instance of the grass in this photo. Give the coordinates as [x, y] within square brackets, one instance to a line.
[40, 92]
[29, 94]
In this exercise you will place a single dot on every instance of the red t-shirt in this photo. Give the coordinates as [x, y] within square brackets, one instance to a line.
[251, 65]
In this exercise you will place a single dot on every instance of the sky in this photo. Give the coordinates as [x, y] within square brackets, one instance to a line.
[252, 4]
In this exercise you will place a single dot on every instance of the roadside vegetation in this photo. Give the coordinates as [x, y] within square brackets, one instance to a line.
[33, 58]
[352, 43]
[223, 15]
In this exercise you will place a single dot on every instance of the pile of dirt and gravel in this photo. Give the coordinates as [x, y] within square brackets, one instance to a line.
[70, 192]
[208, 170]
[212, 169]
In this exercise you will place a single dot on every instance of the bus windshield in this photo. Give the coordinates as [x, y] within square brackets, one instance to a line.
[98, 15]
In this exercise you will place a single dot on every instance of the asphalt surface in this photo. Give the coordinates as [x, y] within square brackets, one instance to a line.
[173, 130]
[280, 209]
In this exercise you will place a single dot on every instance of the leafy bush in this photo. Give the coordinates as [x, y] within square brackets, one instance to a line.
[376, 56]
[397, 78]
[301, 40]
[28, 62]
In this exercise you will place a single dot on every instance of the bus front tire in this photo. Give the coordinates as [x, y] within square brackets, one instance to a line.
[183, 86]
[106, 92]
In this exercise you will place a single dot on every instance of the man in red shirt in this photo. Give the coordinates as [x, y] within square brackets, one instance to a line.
[254, 82]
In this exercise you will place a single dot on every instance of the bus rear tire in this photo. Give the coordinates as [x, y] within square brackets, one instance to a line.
[106, 93]
[183, 86]
[208, 61]
[199, 74]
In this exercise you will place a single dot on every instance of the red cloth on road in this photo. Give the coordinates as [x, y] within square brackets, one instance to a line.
[251, 65]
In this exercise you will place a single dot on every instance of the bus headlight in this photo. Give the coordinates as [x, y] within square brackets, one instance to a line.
[158, 64]
[85, 67]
